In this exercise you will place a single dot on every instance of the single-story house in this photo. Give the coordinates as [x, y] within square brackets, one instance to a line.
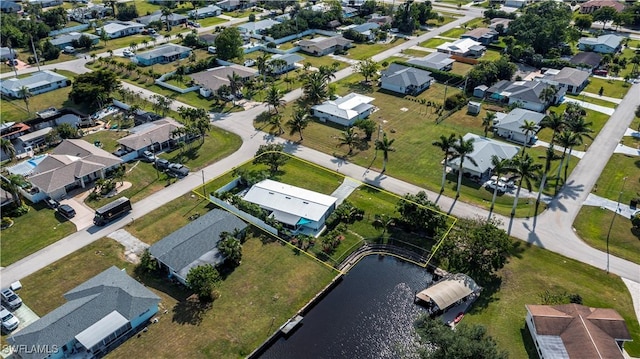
[230, 5]
[11, 130]
[448, 291]
[195, 244]
[367, 29]
[516, 3]
[209, 39]
[435, 60]
[405, 79]
[8, 7]
[116, 29]
[99, 315]
[482, 35]
[495, 22]
[463, 47]
[380, 19]
[508, 125]
[37, 83]
[203, 12]
[483, 150]
[212, 79]
[35, 138]
[344, 110]
[573, 80]
[290, 61]
[321, 46]
[590, 6]
[524, 93]
[71, 164]
[605, 44]
[577, 331]
[587, 60]
[82, 14]
[156, 136]
[292, 206]
[67, 39]
[257, 27]
[356, 3]
[173, 19]
[348, 12]
[45, 3]
[5, 198]
[163, 54]
[7, 54]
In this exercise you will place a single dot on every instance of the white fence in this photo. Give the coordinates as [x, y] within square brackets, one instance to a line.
[160, 82]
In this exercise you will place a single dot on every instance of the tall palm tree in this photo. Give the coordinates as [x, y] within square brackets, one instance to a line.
[235, 83]
[276, 121]
[384, 145]
[315, 88]
[25, 94]
[566, 139]
[582, 129]
[14, 183]
[548, 93]
[383, 221]
[298, 121]
[462, 149]
[446, 145]
[487, 121]
[261, 64]
[7, 148]
[528, 170]
[500, 166]
[349, 138]
[166, 12]
[528, 128]
[555, 122]
[274, 98]
[11, 51]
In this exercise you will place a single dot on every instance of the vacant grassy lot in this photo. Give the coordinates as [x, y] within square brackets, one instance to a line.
[109, 139]
[454, 33]
[210, 21]
[491, 55]
[433, 43]
[530, 272]
[612, 88]
[461, 69]
[21, 239]
[317, 61]
[415, 52]
[363, 51]
[611, 181]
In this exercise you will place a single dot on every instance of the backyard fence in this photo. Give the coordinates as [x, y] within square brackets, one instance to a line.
[78, 28]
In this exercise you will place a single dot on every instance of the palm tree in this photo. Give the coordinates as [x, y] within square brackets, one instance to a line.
[566, 139]
[383, 221]
[548, 93]
[230, 247]
[446, 145]
[276, 121]
[462, 148]
[384, 145]
[349, 138]
[298, 122]
[166, 12]
[14, 183]
[235, 83]
[487, 121]
[581, 129]
[130, 67]
[276, 66]
[261, 64]
[555, 122]
[7, 148]
[548, 158]
[528, 170]
[315, 88]
[528, 128]
[274, 98]
[25, 94]
[500, 166]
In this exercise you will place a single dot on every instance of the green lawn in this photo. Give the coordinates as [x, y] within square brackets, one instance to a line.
[363, 51]
[460, 68]
[242, 13]
[612, 88]
[24, 54]
[109, 139]
[317, 61]
[433, 43]
[597, 119]
[415, 52]
[456, 32]
[530, 272]
[593, 100]
[491, 55]
[447, 18]
[31, 232]
[611, 179]
[210, 21]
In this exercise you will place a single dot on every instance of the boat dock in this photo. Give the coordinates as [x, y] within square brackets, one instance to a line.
[291, 324]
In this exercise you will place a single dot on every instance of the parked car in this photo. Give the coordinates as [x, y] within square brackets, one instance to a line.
[491, 184]
[127, 53]
[69, 50]
[179, 169]
[162, 164]
[249, 62]
[193, 23]
[10, 299]
[211, 49]
[52, 203]
[67, 211]
[148, 156]
[9, 321]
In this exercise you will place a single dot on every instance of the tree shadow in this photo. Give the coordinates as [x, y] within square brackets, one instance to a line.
[190, 311]
[159, 280]
[490, 287]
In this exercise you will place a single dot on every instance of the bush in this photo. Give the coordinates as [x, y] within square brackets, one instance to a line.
[635, 220]
[6, 222]
[455, 102]
[440, 76]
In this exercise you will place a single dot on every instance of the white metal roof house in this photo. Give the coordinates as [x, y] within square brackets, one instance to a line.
[195, 244]
[257, 27]
[483, 150]
[292, 206]
[117, 29]
[605, 44]
[573, 80]
[98, 316]
[435, 60]
[508, 125]
[230, 5]
[37, 83]
[344, 110]
[203, 12]
[405, 79]
[463, 47]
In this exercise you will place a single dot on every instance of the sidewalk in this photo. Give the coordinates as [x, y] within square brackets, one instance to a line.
[574, 152]
[606, 98]
[590, 106]
[622, 209]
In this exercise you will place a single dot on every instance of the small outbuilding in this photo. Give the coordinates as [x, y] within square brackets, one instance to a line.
[449, 291]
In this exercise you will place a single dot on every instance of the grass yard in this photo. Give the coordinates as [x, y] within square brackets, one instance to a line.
[242, 13]
[611, 178]
[593, 100]
[491, 55]
[433, 43]
[612, 88]
[455, 33]
[530, 272]
[597, 119]
[415, 52]
[446, 18]
[109, 139]
[40, 227]
[364, 51]
[460, 68]
[210, 21]
[317, 61]
[24, 54]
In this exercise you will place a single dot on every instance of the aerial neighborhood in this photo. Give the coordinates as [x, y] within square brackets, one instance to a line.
[337, 178]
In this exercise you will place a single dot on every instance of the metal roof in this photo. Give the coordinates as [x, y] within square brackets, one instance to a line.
[514, 119]
[37, 79]
[101, 329]
[345, 107]
[449, 290]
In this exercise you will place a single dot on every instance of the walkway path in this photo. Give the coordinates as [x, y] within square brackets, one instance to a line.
[626, 150]
[605, 98]
[345, 189]
[589, 106]
[622, 209]
[574, 152]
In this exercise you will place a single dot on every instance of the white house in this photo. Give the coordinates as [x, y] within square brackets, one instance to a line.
[321, 46]
[344, 110]
[116, 29]
[203, 12]
[37, 83]
[99, 315]
[290, 61]
[463, 47]
[483, 150]
[605, 44]
[212, 79]
[257, 27]
[292, 206]
[405, 79]
[435, 60]
[156, 135]
[576, 331]
[508, 125]
[230, 5]
[573, 80]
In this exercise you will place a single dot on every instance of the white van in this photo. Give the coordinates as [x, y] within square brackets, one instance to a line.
[212, 49]
[69, 50]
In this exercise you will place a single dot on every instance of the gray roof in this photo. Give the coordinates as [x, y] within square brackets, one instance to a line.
[36, 79]
[483, 150]
[157, 16]
[592, 59]
[571, 76]
[520, 90]
[612, 41]
[197, 242]
[216, 77]
[514, 119]
[289, 58]
[204, 10]
[91, 301]
[67, 38]
[367, 26]
[163, 50]
[326, 42]
[10, 5]
[401, 75]
[435, 60]
[258, 25]
[155, 132]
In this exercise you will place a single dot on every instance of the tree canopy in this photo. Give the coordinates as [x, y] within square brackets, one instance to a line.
[203, 280]
[543, 26]
[229, 44]
[271, 155]
[94, 88]
[418, 213]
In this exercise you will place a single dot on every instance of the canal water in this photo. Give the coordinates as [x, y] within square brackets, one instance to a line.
[370, 314]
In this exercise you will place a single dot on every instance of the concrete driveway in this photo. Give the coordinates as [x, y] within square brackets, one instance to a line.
[84, 214]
